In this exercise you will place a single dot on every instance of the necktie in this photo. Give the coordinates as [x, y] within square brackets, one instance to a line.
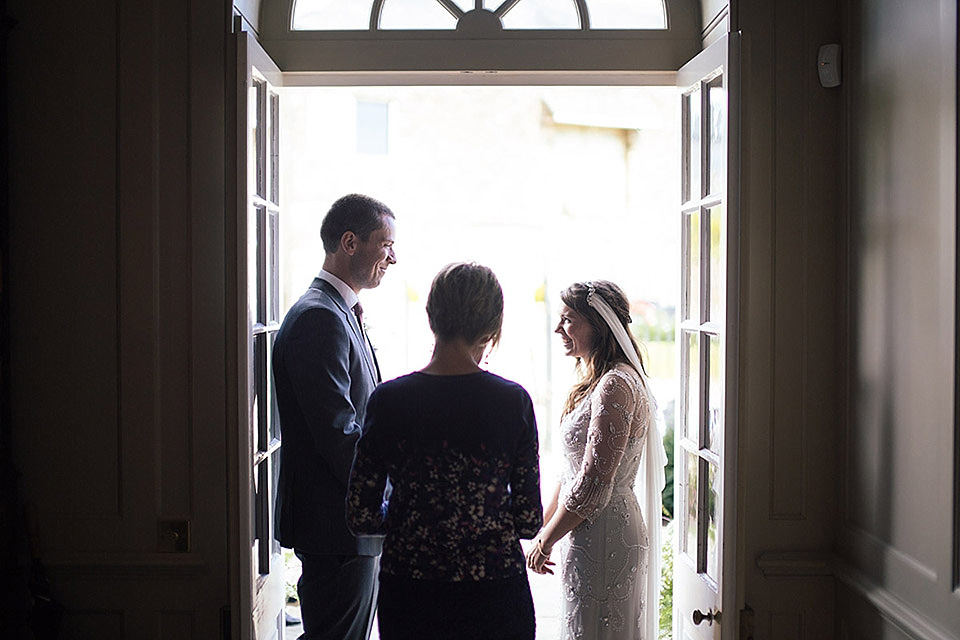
[358, 311]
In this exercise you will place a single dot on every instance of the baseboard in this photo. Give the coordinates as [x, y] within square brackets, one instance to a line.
[906, 618]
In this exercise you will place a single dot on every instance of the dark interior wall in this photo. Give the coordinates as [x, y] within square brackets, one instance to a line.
[116, 294]
[116, 287]
[897, 534]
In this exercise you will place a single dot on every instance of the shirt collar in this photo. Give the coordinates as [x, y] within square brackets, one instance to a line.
[349, 295]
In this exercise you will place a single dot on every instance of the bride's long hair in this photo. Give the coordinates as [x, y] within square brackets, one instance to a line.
[604, 352]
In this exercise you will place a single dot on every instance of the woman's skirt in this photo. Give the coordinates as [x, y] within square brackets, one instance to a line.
[413, 609]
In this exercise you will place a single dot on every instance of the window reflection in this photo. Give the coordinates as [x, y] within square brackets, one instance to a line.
[690, 520]
[716, 127]
[718, 266]
[713, 534]
[691, 243]
[715, 396]
[692, 152]
[691, 392]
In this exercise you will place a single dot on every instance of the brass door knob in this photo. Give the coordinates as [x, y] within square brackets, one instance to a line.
[710, 616]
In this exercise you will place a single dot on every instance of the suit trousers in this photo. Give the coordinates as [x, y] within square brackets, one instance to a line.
[337, 595]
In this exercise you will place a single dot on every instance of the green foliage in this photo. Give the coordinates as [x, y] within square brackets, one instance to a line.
[291, 581]
[653, 323]
[668, 438]
[666, 583]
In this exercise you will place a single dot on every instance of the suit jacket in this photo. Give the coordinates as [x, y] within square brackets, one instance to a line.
[324, 375]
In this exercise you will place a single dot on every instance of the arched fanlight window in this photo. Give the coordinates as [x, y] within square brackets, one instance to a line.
[477, 15]
[307, 37]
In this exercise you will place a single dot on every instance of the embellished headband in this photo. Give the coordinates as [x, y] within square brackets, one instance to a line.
[609, 316]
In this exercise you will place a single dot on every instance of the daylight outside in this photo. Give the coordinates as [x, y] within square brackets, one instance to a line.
[546, 185]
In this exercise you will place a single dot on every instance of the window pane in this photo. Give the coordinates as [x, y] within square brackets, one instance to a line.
[274, 410]
[415, 14]
[253, 261]
[333, 15]
[691, 267]
[627, 14]
[352, 15]
[260, 402]
[274, 148]
[718, 265]
[717, 128]
[713, 497]
[274, 483]
[262, 517]
[688, 538]
[691, 150]
[272, 274]
[542, 14]
[260, 264]
[258, 115]
[715, 395]
[691, 383]
[685, 190]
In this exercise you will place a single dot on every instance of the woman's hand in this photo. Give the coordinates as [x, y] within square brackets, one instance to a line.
[538, 557]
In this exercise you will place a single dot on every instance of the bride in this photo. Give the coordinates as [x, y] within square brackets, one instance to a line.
[610, 560]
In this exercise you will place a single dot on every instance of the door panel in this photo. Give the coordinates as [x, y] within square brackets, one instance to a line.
[261, 582]
[706, 442]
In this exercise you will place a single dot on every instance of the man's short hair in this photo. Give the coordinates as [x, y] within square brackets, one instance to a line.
[354, 212]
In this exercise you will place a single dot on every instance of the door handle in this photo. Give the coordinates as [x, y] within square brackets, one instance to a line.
[710, 616]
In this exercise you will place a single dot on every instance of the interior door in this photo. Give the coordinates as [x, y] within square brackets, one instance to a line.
[705, 449]
[261, 581]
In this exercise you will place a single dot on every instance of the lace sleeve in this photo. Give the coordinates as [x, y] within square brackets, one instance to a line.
[611, 411]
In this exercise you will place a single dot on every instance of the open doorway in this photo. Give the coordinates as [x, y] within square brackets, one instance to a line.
[546, 185]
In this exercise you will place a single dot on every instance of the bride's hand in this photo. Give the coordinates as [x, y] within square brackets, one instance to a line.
[538, 557]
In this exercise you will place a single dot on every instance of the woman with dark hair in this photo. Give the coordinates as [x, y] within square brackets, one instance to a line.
[610, 562]
[457, 446]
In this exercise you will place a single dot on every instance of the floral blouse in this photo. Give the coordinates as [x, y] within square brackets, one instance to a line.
[448, 469]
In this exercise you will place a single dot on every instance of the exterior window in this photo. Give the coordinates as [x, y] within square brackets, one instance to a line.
[353, 15]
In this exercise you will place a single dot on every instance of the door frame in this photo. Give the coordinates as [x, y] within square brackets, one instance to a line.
[731, 571]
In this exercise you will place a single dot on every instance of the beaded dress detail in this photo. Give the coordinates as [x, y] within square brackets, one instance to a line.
[604, 560]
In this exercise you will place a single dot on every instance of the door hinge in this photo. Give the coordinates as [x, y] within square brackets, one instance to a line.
[746, 623]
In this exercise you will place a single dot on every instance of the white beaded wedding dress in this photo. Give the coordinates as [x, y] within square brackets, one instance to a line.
[606, 559]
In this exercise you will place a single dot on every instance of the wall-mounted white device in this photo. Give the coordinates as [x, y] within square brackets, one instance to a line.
[828, 65]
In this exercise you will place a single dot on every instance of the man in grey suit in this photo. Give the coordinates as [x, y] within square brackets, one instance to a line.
[325, 370]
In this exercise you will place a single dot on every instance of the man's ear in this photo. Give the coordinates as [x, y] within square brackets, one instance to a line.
[348, 242]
